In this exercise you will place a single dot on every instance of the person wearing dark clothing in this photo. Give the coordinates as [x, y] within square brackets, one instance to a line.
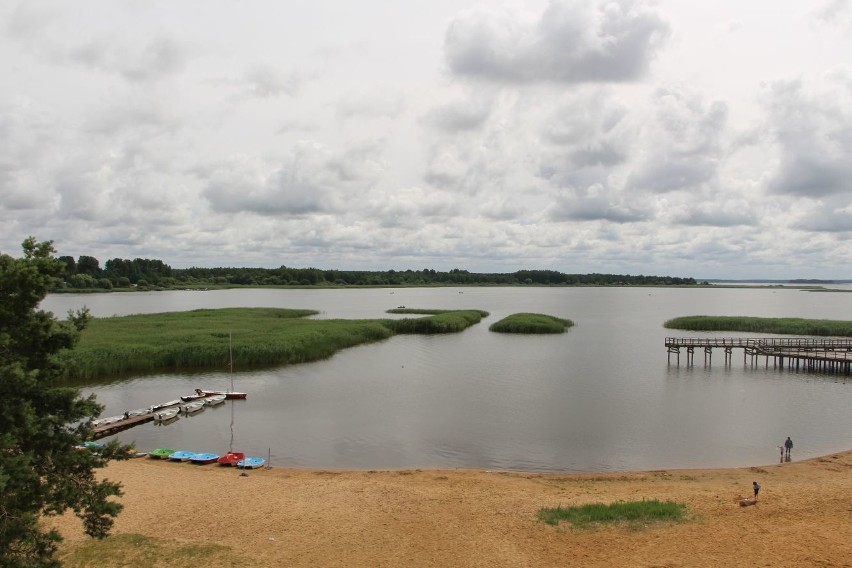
[788, 445]
[756, 486]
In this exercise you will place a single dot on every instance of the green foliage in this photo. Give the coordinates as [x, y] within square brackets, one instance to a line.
[151, 272]
[634, 513]
[41, 420]
[787, 326]
[531, 323]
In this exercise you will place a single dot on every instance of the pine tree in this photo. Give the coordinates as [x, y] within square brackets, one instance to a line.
[42, 420]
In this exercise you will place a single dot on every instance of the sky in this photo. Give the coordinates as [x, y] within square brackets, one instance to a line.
[711, 139]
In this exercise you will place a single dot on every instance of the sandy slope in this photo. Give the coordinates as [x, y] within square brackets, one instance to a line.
[284, 517]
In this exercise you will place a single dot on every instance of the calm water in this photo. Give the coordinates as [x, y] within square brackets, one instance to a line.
[601, 397]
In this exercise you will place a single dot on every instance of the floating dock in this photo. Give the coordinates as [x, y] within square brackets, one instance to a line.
[807, 354]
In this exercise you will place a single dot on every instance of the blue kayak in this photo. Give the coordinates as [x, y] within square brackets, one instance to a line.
[181, 455]
[251, 463]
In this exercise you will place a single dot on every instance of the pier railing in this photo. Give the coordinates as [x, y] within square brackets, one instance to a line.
[811, 353]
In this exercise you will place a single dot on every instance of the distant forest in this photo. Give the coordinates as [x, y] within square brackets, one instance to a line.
[86, 273]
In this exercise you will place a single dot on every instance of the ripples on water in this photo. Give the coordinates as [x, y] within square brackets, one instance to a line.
[600, 397]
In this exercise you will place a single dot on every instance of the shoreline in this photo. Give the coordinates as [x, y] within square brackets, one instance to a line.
[472, 517]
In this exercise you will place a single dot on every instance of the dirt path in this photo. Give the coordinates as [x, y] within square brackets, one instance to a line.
[283, 517]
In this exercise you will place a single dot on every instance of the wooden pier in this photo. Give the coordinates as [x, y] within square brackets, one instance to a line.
[807, 354]
[115, 427]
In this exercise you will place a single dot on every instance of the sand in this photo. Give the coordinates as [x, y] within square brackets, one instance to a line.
[459, 518]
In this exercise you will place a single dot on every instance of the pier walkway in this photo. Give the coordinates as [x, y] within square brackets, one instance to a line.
[798, 353]
[115, 427]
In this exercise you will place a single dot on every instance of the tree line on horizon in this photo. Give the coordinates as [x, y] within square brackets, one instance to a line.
[85, 272]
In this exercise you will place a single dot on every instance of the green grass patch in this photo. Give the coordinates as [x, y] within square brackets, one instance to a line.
[785, 326]
[261, 337]
[531, 323]
[635, 514]
[138, 550]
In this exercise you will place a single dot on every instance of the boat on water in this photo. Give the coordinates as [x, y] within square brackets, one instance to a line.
[136, 412]
[160, 453]
[192, 397]
[105, 421]
[164, 405]
[181, 455]
[204, 458]
[192, 407]
[230, 395]
[214, 400]
[231, 458]
[251, 463]
[167, 414]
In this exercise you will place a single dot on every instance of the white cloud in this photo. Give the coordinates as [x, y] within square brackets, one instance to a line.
[573, 41]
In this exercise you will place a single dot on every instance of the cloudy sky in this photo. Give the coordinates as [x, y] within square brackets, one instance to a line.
[709, 139]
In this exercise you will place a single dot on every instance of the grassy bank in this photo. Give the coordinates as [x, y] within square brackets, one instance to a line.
[788, 326]
[531, 323]
[198, 340]
[634, 513]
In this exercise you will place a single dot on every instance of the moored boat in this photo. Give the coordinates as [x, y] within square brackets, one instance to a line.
[107, 420]
[204, 458]
[231, 458]
[167, 414]
[160, 453]
[192, 397]
[214, 400]
[251, 463]
[137, 412]
[163, 405]
[192, 407]
[230, 395]
[181, 455]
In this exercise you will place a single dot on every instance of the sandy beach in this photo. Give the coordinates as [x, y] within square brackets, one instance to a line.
[292, 517]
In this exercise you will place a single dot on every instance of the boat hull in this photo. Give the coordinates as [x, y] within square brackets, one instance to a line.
[181, 456]
[228, 394]
[251, 463]
[231, 458]
[202, 459]
[160, 453]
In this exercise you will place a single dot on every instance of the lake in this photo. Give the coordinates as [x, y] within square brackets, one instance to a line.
[601, 397]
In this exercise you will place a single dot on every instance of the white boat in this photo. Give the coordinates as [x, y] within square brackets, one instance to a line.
[214, 400]
[168, 404]
[192, 407]
[104, 421]
[137, 412]
[166, 414]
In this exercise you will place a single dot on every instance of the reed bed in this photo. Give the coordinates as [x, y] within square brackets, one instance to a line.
[260, 337]
[531, 323]
[783, 326]
[635, 513]
[442, 321]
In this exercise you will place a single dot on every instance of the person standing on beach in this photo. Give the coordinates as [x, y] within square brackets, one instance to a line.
[788, 445]
[756, 486]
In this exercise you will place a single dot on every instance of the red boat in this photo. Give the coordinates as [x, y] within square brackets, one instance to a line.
[231, 458]
[230, 395]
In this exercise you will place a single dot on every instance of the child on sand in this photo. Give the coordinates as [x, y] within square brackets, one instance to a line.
[756, 486]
